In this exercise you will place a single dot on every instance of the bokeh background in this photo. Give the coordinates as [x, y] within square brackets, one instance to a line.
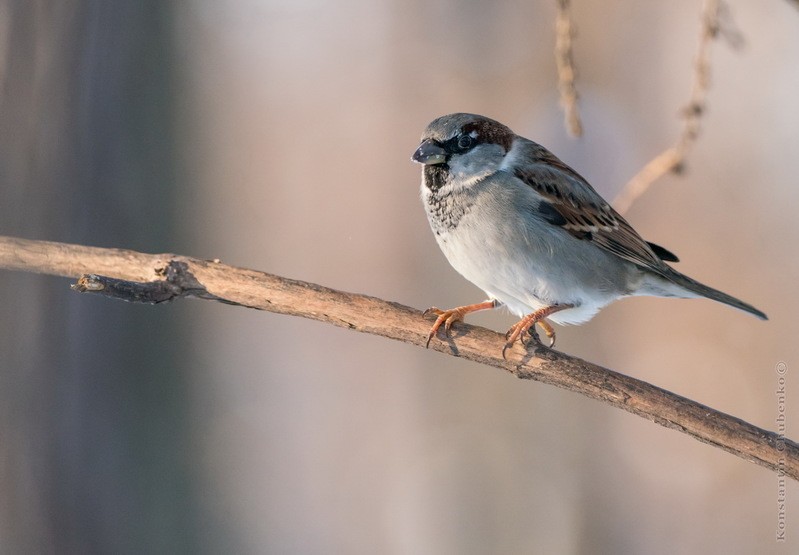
[277, 135]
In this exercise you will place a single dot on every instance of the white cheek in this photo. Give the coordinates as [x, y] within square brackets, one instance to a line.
[514, 157]
[476, 164]
[466, 180]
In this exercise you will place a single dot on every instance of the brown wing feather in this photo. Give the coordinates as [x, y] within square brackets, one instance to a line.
[583, 213]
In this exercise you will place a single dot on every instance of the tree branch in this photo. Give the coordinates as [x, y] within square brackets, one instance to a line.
[139, 277]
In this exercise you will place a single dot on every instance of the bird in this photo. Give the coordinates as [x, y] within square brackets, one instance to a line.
[533, 234]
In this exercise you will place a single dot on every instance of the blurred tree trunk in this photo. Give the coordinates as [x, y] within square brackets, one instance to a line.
[93, 454]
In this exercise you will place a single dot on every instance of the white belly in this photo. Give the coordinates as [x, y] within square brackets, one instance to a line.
[528, 269]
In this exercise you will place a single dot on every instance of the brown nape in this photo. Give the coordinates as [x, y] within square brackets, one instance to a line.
[490, 131]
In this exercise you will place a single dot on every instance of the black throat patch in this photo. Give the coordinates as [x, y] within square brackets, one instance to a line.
[436, 176]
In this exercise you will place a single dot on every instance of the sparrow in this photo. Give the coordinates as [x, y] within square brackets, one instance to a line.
[532, 233]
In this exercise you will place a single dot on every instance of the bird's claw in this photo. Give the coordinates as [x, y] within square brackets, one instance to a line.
[526, 326]
[446, 317]
[449, 317]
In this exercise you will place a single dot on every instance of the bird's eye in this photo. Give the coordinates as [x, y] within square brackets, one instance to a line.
[465, 142]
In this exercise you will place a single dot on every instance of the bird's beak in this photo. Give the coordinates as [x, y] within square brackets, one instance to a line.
[429, 153]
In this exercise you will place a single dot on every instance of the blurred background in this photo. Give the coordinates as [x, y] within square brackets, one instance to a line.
[277, 135]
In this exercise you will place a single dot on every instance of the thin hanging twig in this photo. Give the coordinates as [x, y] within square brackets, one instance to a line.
[715, 21]
[564, 33]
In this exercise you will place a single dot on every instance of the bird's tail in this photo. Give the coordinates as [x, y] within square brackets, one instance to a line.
[704, 291]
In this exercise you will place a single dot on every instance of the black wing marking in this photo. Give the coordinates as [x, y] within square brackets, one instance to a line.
[663, 253]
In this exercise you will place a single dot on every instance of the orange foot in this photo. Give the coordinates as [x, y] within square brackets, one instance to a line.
[527, 325]
[449, 317]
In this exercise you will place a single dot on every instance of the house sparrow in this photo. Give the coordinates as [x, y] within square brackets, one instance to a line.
[532, 233]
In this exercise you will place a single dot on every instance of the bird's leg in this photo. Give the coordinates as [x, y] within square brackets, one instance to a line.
[526, 325]
[449, 317]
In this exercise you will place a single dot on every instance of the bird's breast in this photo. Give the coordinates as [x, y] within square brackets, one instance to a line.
[445, 210]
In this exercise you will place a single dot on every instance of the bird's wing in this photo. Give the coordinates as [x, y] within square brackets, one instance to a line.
[569, 202]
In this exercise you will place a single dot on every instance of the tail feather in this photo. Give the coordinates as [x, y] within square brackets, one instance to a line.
[705, 291]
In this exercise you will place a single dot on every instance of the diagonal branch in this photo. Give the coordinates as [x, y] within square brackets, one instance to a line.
[139, 277]
[716, 21]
